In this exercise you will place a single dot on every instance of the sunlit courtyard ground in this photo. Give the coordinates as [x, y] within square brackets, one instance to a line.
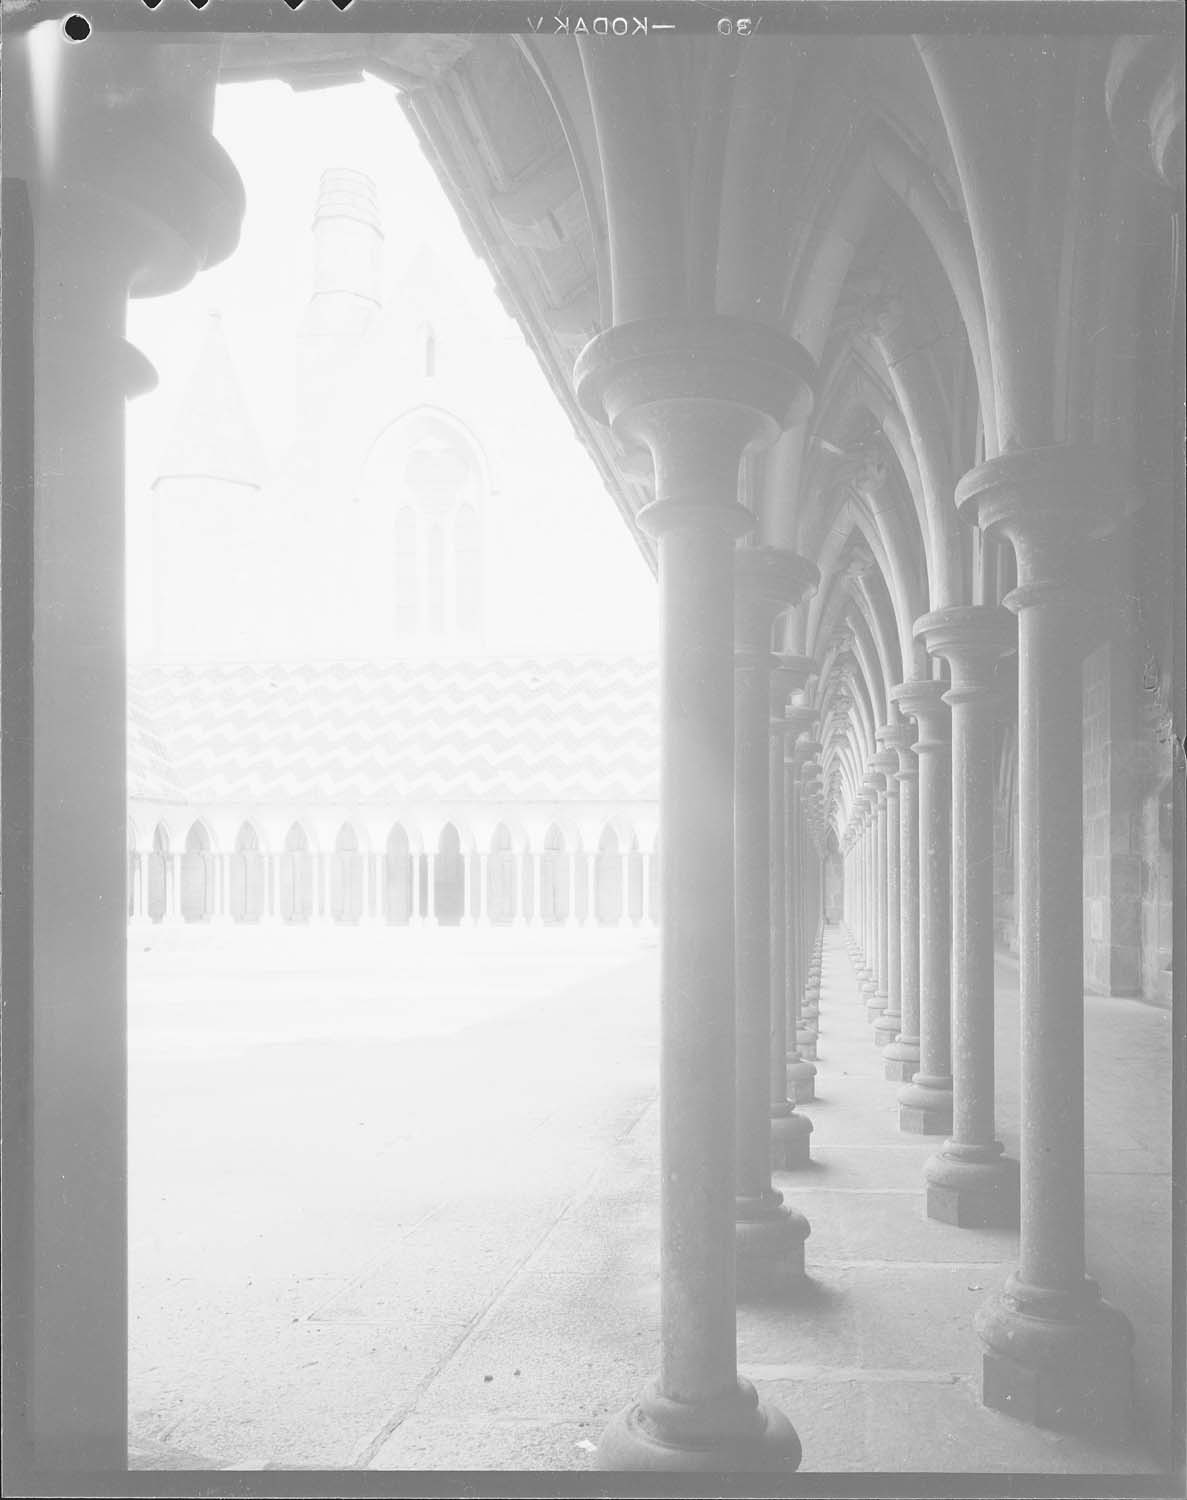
[394, 1204]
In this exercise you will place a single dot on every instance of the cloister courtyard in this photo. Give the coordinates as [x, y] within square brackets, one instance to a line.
[394, 1203]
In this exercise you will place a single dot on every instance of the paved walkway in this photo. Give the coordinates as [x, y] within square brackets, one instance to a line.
[511, 1303]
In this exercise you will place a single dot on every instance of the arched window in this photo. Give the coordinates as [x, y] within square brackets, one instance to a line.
[397, 879]
[407, 572]
[197, 876]
[436, 580]
[428, 349]
[247, 876]
[634, 866]
[608, 880]
[296, 877]
[554, 878]
[467, 551]
[133, 872]
[500, 877]
[346, 877]
[158, 874]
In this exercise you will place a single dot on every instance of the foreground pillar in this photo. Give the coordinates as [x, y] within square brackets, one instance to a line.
[770, 1236]
[124, 192]
[1056, 1353]
[970, 1182]
[698, 393]
[902, 1052]
[925, 1104]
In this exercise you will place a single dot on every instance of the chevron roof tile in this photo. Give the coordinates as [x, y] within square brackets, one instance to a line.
[515, 729]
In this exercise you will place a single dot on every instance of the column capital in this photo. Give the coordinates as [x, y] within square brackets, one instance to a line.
[789, 674]
[925, 701]
[972, 638]
[1044, 500]
[797, 721]
[699, 393]
[767, 581]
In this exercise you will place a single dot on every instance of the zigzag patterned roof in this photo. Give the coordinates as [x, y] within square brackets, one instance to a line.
[526, 729]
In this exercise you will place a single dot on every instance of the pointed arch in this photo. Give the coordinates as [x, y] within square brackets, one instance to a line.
[197, 875]
[449, 878]
[347, 877]
[608, 879]
[555, 878]
[501, 902]
[248, 876]
[296, 877]
[398, 869]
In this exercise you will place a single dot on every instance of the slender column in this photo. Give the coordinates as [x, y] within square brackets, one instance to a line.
[430, 894]
[810, 906]
[1056, 1353]
[925, 1104]
[140, 917]
[805, 1029]
[874, 1005]
[881, 999]
[792, 1078]
[801, 1070]
[698, 394]
[886, 1027]
[970, 1182]
[902, 1053]
[770, 1243]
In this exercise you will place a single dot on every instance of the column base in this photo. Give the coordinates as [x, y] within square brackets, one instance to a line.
[1058, 1360]
[887, 1027]
[805, 1044]
[875, 1005]
[925, 1106]
[739, 1435]
[801, 1079]
[972, 1187]
[902, 1060]
[769, 1241]
[790, 1137]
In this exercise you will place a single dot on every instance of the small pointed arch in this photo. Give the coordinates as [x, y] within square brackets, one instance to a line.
[347, 877]
[467, 577]
[159, 874]
[399, 867]
[248, 876]
[555, 878]
[501, 902]
[296, 877]
[197, 874]
[406, 567]
[608, 878]
[634, 872]
[449, 878]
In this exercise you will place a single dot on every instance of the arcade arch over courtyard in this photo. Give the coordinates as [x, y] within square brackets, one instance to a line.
[878, 342]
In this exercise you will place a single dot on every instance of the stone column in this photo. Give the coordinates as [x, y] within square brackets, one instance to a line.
[430, 906]
[810, 905]
[123, 192]
[698, 393]
[925, 1104]
[970, 1182]
[770, 1243]
[877, 1002]
[792, 1078]
[874, 1006]
[801, 1070]
[1056, 1353]
[886, 1027]
[902, 1053]
[805, 1029]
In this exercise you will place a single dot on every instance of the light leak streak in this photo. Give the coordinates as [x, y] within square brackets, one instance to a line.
[45, 43]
